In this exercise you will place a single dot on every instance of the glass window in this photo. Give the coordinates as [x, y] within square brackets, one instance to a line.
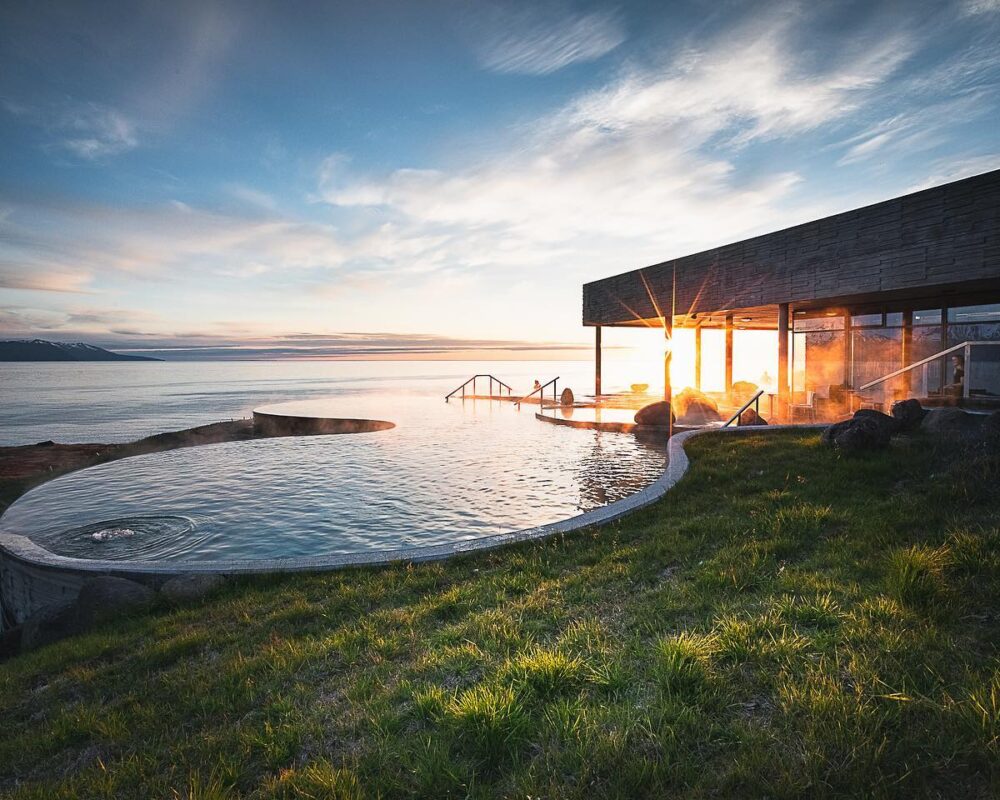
[930, 316]
[894, 319]
[867, 320]
[824, 323]
[985, 313]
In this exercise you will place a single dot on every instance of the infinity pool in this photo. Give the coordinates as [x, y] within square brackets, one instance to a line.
[445, 473]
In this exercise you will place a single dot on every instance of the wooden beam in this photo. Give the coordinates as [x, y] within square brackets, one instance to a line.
[729, 354]
[697, 358]
[782, 358]
[597, 361]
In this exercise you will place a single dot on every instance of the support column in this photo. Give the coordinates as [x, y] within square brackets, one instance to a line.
[906, 382]
[729, 355]
[783, 360]
[697, 358]
[848, 348]
[597, 361]
[668, 334]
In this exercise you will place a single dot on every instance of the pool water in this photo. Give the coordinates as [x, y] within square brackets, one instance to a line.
[447, 472]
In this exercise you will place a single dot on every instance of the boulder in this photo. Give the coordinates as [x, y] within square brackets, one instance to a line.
[743, 391]
[658, 413]
[863, 435]
[909, 414]
[866, 431]
[107, 597]
[953, 422]
[49, 624]
[695, 407]
[566, 398]
[751, 417]
[889, 424]
[191, 586]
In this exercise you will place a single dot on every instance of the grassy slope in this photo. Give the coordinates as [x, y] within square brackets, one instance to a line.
[785, 623]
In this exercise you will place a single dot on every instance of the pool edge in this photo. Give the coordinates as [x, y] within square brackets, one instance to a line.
[32, 577]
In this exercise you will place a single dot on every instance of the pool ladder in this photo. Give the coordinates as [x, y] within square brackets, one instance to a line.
[492, 378]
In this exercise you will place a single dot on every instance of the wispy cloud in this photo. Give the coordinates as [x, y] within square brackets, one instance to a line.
[539, 39]
[87, 130]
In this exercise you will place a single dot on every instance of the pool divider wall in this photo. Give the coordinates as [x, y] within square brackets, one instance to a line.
[32, 577]
[265, 424]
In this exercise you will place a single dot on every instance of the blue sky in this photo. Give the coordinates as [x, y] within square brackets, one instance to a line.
[437, 176]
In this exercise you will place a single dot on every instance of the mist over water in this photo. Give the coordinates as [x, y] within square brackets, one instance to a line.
[119, 402]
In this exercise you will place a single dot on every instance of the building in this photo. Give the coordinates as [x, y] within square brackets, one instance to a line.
[905, 286]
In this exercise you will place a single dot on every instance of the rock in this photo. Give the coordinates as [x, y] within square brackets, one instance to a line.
[658, 413]
[698, 413]
[49, 624]
[695, 407]
[863, 435]
[191, 586]
[106, 597]
[952, 422]
[866, 431]
[566, 398]
[751, 417]
[890, 424]
[829, 436]
[743, 391]
[909, 413]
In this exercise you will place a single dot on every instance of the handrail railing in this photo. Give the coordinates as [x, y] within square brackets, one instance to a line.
[553, 383]
[895, 374]
[472, 380]
[735, 417]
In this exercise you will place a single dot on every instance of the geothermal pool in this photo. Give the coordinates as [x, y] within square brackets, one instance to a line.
[445, 473]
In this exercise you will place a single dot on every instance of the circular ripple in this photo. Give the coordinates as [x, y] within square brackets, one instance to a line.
[129, 538]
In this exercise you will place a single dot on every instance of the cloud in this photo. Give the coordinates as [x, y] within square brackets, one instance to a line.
[87, 130]
[641, 168]
[97, 131]
[540, 39]
[12, 278]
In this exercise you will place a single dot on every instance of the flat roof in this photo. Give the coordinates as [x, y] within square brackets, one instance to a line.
[937, 243]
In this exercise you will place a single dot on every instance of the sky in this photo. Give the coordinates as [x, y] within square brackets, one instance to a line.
[403, 179]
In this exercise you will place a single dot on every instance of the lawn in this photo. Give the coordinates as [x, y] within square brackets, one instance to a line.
[785, 623]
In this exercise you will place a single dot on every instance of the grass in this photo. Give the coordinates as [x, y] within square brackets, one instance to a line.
[786, 623]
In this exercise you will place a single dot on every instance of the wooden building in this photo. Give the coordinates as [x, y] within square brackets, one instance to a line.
[872, 292]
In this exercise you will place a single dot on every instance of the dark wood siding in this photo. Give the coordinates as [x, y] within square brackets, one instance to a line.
[941, 239]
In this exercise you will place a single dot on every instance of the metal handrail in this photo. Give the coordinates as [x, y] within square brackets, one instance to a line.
[541, 388]
[472, 380]
[755, 399]
[921, 362]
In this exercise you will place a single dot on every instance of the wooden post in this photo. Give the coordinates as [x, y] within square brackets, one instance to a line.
[668, 333]
[697, 358]
[783, 359]
[906, 384]
[597, 361]
[729, 355]
[848, 350]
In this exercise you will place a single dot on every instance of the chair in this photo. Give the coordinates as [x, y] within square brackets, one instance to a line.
[808, 408]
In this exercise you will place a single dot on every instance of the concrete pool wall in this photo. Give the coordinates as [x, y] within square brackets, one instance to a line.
[32, 577]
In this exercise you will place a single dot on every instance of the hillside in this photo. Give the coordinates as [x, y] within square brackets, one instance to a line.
[42, 350]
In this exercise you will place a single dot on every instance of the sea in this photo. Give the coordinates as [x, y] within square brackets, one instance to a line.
[73, 402]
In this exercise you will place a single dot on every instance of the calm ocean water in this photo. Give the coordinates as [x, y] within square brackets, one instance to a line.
[116, 402]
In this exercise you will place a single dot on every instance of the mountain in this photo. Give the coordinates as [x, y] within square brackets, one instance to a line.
[41, 350]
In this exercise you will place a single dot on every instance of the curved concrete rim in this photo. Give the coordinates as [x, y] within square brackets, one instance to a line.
[23, 549]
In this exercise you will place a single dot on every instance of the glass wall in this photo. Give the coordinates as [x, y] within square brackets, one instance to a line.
[980, 323]
[819, 369]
